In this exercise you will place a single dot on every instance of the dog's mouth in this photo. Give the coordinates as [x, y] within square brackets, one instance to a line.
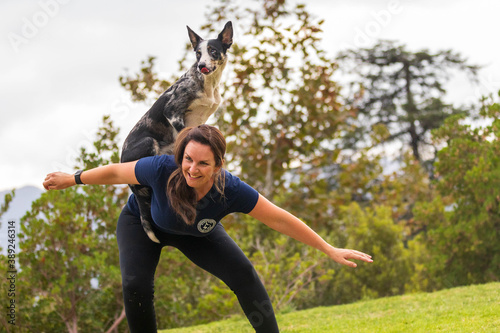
[204, 70]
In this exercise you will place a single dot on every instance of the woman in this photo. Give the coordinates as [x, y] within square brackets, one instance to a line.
[191, 194]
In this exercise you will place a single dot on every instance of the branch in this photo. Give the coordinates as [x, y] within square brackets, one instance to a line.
[292, 289]
[117, 321]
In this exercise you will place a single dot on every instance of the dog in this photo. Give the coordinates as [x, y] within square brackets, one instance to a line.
[190, 101]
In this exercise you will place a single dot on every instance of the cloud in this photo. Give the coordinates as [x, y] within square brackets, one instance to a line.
[59, 82]
[57, 86]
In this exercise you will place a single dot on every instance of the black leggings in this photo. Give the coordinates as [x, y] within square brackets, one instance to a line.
[216, 253]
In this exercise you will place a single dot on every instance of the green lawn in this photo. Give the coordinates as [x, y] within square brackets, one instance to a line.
[466, 309]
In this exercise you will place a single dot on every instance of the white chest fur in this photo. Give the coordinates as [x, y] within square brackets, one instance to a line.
[204, 106]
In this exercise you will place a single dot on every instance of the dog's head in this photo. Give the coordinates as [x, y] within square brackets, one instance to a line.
[211, 54]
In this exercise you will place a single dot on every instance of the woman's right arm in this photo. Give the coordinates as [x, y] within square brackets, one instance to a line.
[119, 173]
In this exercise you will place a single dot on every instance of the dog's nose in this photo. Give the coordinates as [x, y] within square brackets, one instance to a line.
[203, 68]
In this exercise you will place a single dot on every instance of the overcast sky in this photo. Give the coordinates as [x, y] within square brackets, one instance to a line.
[60, 61]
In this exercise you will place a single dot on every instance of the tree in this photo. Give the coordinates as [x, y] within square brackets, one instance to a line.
[464, 222]
[280, 104]
[280, 114]
[6, 202]
[282, 118]
[402, 90]
[8, 264]
[69, 261]
[373, 230]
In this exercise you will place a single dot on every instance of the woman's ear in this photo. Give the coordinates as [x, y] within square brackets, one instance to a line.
[219, 168]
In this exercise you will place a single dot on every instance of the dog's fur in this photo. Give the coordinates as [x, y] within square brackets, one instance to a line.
[188, 102]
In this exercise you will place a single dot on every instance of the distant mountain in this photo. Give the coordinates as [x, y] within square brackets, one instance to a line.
[18, 207]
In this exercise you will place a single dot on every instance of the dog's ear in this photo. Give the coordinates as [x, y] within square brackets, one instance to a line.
[226, 36]
[195, 39]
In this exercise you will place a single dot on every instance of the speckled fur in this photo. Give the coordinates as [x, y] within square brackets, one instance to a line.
[190, 101]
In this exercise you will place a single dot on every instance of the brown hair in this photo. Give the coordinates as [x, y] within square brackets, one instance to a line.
[182, 197]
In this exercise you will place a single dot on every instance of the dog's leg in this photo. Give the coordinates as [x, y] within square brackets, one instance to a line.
[143, 148]
[177, 123]
[143, 198]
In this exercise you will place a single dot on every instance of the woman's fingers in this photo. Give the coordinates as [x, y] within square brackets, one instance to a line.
[362, 256]
[350, 263]
[46, 182]
[55, 181]
[346, 254]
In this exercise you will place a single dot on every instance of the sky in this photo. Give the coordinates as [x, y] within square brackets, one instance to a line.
[60, 61]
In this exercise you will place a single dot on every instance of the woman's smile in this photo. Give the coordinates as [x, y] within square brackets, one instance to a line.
[198, 167]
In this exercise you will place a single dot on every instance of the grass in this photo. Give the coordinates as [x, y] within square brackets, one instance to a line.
[465, 309]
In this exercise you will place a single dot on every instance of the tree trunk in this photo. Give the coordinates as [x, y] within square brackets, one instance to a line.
[268, 188]
[72, 325]
[411, 111]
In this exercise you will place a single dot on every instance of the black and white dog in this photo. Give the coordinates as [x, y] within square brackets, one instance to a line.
[188, 102]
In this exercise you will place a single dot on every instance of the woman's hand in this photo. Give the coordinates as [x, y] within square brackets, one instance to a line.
[342, 255]
[111, 174]
[286, 223]
[58, 181]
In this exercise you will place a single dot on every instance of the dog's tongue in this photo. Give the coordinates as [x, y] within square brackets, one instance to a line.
[204, 70]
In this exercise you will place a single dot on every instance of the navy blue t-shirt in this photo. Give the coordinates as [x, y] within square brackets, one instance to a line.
[154, 172]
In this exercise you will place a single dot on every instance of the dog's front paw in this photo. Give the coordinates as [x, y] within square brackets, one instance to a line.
[177, 123]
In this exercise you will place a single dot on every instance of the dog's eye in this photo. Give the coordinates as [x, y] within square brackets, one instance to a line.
[213, 52]
[198, 54]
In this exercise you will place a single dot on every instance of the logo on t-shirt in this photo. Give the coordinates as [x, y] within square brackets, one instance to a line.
[206, 225]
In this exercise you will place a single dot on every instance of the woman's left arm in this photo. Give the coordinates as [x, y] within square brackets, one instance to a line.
[287, 224]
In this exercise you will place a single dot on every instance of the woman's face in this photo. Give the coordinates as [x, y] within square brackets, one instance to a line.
[198, 166]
